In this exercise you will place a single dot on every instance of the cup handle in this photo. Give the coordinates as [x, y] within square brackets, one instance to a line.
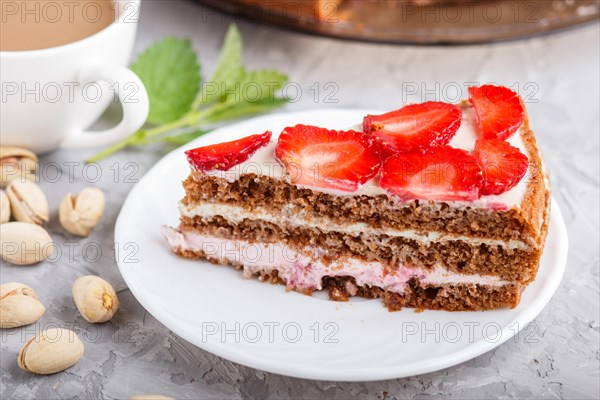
[135, 107]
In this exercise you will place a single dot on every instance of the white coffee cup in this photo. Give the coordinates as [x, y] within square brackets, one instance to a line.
[51, 96]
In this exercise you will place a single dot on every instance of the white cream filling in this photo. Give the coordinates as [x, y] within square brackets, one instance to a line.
[296, 218]
[305, 270]
[263, 162]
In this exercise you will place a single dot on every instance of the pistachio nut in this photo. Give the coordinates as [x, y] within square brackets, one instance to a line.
[95, 298]
[19, 305]
[4, 207]
[27, 201]
[151, 397]
[24, 244]
[52, 350]
[80, 214]
[16, 163]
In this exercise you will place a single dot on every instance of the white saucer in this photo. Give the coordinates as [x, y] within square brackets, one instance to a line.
[263, 326]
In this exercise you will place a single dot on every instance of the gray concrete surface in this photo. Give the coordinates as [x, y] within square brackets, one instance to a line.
[135, 354]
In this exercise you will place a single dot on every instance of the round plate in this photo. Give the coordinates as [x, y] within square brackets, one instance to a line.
[263, 326]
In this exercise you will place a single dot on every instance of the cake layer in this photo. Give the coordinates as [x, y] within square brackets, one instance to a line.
[307, 271]
[455, 255]
[253, 192]
[448, 297]
[295, 218]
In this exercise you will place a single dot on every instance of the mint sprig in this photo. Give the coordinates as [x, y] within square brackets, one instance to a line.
[171, 74]
[180, 109]
[228, 69]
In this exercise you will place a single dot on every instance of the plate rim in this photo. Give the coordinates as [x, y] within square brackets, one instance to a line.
[428, 365]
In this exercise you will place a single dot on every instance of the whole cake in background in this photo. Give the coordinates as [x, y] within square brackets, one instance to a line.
[431, 206]
[329, 11]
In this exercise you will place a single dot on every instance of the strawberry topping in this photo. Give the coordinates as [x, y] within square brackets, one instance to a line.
[432, 123]
[503, 165]
[498, 109]
[223, 156]
[325, 158]
[438, 173]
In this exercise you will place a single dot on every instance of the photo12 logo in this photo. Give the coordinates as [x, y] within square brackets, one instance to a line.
[68, 11]
[69, 92]
[468, 331]
[20, 165]
[256, 90]
[270, 332]
[469, 12]
[18, 249]
[455, 92]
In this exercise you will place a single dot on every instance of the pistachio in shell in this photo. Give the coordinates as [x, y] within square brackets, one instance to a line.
[22, 243]
[27, 201]
[95, 298]
[16, 163]
[80, 214]
[19, 305]
[51, 351]
[4, 207]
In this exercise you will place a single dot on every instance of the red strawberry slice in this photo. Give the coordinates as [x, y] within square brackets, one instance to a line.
[432, 123]
[223, 156]
[498, 109]
[440, 173]
[325, 158]
[503, 165]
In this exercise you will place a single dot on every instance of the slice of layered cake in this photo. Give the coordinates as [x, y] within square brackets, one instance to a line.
[432, 206]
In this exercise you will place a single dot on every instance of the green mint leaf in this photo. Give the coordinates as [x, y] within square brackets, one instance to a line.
[170, 71]
[183, 138]
[255, 86]
[228, 69]
[228, 111]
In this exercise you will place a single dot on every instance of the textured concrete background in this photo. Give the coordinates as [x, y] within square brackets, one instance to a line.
[558, 358]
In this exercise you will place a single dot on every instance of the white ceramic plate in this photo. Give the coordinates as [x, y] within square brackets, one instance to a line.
[265, 327]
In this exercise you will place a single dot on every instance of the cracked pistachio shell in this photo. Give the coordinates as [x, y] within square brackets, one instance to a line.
[4, 207]
[22, 243]
[27, 201]
[95, 298]
[19, 305]
[16, 163]
[80, 214]
[52, 350]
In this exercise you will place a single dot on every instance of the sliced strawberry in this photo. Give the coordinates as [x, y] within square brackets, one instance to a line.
[223, 156]
[325, 158]
[503, 165]
[437, 173]
[498, 109]
[432, 123]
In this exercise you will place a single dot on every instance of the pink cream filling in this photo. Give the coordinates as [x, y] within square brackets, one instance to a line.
[302, 271]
